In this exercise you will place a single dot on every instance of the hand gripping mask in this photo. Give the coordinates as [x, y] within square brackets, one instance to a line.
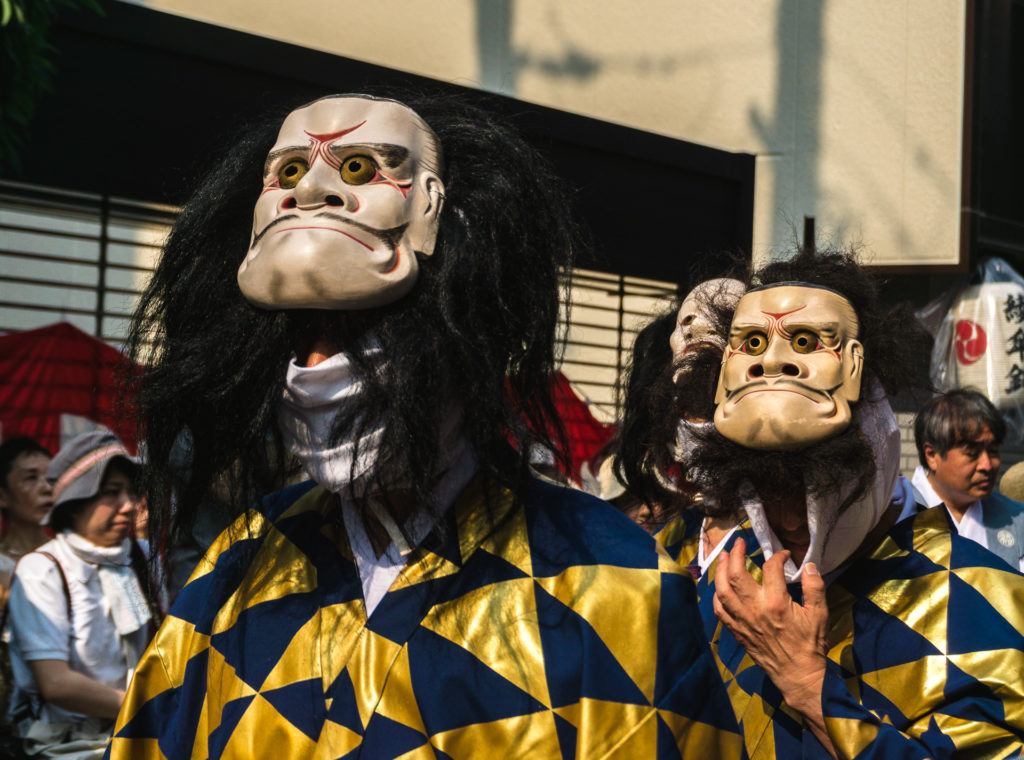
[791, 369]
[351, 197]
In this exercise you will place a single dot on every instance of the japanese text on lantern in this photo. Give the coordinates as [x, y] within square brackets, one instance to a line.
[1013, 312]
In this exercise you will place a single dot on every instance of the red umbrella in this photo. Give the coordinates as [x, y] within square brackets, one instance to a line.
[584, 434]
[60, 370]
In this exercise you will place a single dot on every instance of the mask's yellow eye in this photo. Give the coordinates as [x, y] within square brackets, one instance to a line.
[358, 170]
[288, 176]
[804, 342]
[755, 343]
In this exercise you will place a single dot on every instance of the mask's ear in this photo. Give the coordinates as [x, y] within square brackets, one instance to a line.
[427, 214]
[853, 371]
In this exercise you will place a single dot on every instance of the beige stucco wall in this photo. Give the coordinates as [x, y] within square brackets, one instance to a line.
[853, 107]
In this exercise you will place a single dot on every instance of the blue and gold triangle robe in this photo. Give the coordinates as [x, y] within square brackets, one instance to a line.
[550, 627]
[926, 650]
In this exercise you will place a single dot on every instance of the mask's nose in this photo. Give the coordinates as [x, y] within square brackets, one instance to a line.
[318, 188]
[694, 326]
[775, 361]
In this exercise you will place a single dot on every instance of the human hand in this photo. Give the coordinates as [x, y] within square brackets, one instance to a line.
[788, 640]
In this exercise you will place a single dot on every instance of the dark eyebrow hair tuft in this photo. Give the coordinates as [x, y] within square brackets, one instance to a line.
[281, 151]
[393, 155]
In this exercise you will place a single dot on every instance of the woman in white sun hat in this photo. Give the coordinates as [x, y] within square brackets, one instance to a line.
[81, 611]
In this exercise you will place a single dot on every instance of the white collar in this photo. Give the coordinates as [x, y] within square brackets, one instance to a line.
[923, 488]
[704, 562]
[927, 494]
[376, 574]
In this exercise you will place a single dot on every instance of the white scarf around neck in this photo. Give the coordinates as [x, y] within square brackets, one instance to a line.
[310, 403]
[309, 406]
[129, 609]
[834, 536]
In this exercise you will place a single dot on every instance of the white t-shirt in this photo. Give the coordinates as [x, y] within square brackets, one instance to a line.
[38, 621]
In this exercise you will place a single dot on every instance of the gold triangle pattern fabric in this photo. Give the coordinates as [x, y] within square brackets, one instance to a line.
[543, 627]
[926, 650]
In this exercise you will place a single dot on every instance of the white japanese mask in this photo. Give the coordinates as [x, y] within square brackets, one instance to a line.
[694, 326]
[351, 196]
[791, 368]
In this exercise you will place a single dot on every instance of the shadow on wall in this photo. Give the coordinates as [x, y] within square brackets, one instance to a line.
[798, 40]
[500, 63]
[792, 128]
[795, 129]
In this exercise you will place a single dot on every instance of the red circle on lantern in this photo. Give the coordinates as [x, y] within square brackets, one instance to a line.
[970, 341]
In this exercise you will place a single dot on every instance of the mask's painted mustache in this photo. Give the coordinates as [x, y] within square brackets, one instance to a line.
[762, 386]
[274, 223]
[389, 237]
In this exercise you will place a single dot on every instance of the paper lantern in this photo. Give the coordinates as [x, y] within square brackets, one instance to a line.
[985, 350]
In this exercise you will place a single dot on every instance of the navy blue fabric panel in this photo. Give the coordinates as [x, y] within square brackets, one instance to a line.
[967, 608]
[255, 643]
[568, 527]
[229, 718]
[881, 640]
[681, 640]
[276, 504]
[387, 738]
[576, 661]
[343, 710]
[202, 599]
[454, 689]
[302, 703]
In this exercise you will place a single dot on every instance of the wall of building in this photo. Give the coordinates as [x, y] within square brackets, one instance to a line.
[853, 107]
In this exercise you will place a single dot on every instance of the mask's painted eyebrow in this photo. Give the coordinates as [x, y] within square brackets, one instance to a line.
[739, 326]
[393, 155]
[280, 152]
[810, 324]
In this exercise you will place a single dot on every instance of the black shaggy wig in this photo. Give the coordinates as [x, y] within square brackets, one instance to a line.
[661, 391]
[478, 329]
[897, 348]
[641, 419]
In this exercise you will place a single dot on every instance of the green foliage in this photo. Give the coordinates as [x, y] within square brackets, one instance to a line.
[26, 66]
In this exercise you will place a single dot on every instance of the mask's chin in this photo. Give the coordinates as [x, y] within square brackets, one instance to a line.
[336, 278]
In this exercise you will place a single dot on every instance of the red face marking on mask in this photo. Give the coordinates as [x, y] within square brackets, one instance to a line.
[402, 187]
[775, 326]
[320, 145]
